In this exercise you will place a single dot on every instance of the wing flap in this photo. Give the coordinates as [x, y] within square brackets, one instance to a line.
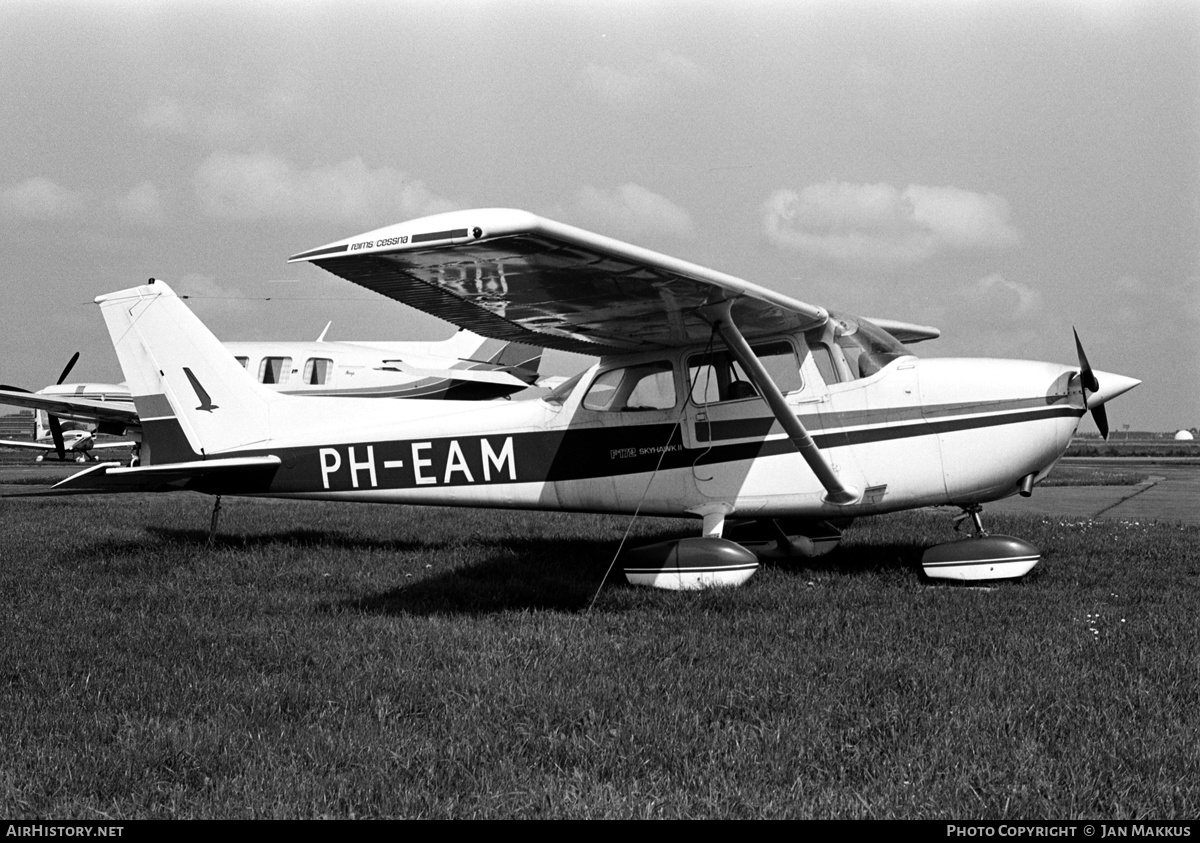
[512, 276]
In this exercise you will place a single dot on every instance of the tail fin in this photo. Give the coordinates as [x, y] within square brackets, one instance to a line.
[193, 399]
[521, 360]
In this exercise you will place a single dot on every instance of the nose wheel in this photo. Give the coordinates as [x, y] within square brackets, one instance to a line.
[973, 512]
[980, 557]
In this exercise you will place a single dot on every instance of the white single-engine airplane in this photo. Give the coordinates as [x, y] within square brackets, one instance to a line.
[714, 398]
[77, 444]
[76, 437]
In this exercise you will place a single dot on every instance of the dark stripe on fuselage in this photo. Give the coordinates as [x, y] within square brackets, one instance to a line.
[760, 426]
[554, 456]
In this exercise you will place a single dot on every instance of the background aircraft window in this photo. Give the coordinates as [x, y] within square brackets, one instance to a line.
[274, 369]
[245, 361]
[718, 377]
[317, 370]
[650, 386]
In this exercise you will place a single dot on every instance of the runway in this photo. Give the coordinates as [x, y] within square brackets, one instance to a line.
[1171, 494]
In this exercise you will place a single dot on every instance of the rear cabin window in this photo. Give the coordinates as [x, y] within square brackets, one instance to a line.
[317, 371]
[274, 369]
[650, 386]
[718, 377]
[244, 361]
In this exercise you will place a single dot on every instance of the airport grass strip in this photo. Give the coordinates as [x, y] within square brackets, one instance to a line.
[325, 660]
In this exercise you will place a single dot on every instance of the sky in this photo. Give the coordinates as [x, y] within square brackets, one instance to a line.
[1004, 171]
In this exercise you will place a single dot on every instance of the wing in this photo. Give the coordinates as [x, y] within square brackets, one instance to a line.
[513, 276]
[33, 446]
[906, 332]
[109, 413]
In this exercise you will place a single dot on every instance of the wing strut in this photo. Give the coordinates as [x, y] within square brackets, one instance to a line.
[837, 492]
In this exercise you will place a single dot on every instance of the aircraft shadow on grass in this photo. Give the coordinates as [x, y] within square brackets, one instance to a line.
[513, 574]
[564, 575]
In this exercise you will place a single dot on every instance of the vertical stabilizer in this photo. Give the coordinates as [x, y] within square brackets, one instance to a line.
[193, 399]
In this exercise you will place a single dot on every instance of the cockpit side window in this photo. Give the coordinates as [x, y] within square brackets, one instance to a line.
[718, 377]
[648, 386]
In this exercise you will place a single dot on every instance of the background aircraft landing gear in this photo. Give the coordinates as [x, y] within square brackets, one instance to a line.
[981, 557]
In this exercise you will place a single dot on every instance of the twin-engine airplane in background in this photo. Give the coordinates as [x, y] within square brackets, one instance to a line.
[465, 366]
[714, 398]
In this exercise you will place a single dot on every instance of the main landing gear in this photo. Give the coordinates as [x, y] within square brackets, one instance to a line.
[727, 554]
[981, 557]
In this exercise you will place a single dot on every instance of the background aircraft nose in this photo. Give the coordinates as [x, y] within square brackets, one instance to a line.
[1110, 386]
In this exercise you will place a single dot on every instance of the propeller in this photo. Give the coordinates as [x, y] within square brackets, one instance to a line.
[1087, 379]
[56, 426]
[75, 357]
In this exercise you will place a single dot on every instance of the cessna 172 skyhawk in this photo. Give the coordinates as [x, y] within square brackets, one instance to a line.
[714, 398]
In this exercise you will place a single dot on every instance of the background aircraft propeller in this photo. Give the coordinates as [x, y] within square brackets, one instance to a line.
[1087, 378]
[55, 425]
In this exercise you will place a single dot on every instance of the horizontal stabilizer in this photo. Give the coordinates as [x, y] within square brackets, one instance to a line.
[496, 376]
[245, 474]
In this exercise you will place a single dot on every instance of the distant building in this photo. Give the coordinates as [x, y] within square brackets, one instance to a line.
[17, 425]
[1184, 436]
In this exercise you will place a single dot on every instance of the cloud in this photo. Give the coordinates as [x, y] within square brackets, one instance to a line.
[630, 210]
[999, 297]
[141, 206]
[877, 223]
[40, 200]
[261, 186]
[166, 115]
[643, 85]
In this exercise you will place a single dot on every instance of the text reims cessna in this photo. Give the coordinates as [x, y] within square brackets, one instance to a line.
[714, 398]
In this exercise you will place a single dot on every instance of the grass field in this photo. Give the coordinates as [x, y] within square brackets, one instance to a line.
[359, 661]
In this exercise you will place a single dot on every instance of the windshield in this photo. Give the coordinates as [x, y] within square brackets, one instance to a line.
[867, 347]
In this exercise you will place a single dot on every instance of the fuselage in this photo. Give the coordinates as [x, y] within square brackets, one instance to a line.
[912, 433]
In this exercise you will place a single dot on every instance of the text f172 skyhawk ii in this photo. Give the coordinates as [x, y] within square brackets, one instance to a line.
[714, 398]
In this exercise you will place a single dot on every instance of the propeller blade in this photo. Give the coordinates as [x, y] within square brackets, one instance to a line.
[1090, 385]
[56, 432]
[1100, 417]
[74, 357]
[8, 388]
[1086, 375]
